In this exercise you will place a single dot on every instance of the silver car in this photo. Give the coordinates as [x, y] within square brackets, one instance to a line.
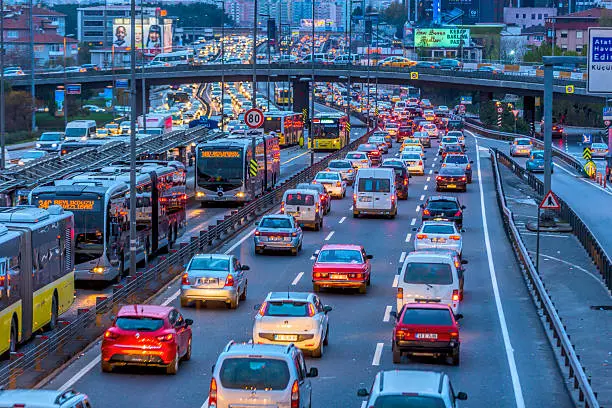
[345, 168]
[438, 235]
[261, 375]
[380, 142]
[214, 277]
[521, 146]
[50, 141]
[447, 140]
[358, 159]
[278, 232]
[293, 317]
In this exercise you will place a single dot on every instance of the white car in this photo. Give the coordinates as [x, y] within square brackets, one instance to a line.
[447, 140]
[50, 141]
[292, 317]
[358, 159]
[431, 129]
[414, 162]
[414, 149]
[333, 182]
[521, 146]
[438, 235]
[94, 108]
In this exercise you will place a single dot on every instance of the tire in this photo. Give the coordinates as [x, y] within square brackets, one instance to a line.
[184, 303]
[106, 367]
[363, 289]
[173, 367]
[368, 283]
[397, 354]
[233, 304]
[121, 267]
[187, 355]
[243, 296]
[326, 339]
[455, 359]
[12, 341]
[54, 313]
[355, 214]
[294, 251]
[316, 288]
[317, 226]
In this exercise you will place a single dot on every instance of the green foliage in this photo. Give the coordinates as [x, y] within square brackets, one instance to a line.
[84, 54]
[536, 53]
[579, 114]
[358, 11]
[395, 14]
[18, 110]
[488, 116]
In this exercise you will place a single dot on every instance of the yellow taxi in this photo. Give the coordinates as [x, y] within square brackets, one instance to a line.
[410, 141]
[113, 128]
[398, 62]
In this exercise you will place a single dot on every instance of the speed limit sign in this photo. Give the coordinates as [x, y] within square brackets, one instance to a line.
[254, 118]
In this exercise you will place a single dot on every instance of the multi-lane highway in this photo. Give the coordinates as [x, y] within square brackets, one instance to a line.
[506, 362]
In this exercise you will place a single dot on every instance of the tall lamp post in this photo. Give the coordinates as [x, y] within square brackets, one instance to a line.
[142, 68]
[222, 2]
[254, 56]
[133, 242]
[32, 63]
[65, 82]
[288, 44]
[312, 86]
[2, 158]
[267, 15]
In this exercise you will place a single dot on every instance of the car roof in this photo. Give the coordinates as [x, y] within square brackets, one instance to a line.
[144, 311]
[435, 255]
[437, 223]
[301, 296]
[427, 306]
[258, 350]
[342, 246]
[442, 198]
[284, 216]
[411, 381]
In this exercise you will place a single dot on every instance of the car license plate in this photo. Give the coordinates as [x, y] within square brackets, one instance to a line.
[208, 281]
[275, 239]
[338, 276]
[452, 186]
[365, 199]
[286, 337]
[427, 336]
[295, 214]
[439, 240]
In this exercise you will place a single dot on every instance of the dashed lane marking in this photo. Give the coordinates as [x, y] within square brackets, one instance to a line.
[402, 257]
[377, 354]
[428, 179]
[395, 281]
[387, 315]
[422, 197]
[328, 237]
[342, 220]
[297, 278]
[413, 221]
[426, 187]
[408, 236]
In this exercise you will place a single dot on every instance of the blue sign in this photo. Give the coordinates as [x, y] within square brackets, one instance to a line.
[607, 113]
[602, 49]
[59, 101]
[586, 138]
[466, 100]
[121, 84]
[73, 89]
[207, 123]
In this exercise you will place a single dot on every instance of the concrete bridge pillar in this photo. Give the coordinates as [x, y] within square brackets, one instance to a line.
[301, 97]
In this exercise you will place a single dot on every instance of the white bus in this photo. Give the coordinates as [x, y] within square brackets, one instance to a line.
[174, 58]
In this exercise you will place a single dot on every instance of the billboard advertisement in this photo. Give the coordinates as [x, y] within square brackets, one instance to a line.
[59, 102]
[156, 34]
[320, 23]
[442, 37]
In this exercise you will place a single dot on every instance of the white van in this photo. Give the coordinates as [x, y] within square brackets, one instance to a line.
[429, 276]
[305, 206]
[78, 130]
[43, 399]
[374, 192]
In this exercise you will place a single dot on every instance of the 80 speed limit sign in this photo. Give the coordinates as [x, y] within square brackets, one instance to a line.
[254, 118]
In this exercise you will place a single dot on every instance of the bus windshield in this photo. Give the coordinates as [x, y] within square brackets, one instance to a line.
[272, 124]
[76, 131]
[326, 130]
[220, 166]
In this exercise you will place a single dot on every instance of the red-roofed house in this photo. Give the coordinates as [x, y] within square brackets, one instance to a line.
[571, 31]
[48, 43]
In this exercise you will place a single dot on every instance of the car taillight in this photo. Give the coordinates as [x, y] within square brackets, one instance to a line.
[185, 279]
[455, 295]
[229, 281]
[421, 236]
[458, 213]
[257, 233]
[443, 164]
[455, 237]
[468, 167]
[463, 179]
[110, 335]
[426, 212]
[400, 334]
[317, 207]
[311, 310]
[420, 162]
[439, 178]
[294, 234]
[282, 209]
[405, 182]
[393, 199]
[338, 184]
[354, 197]
[212, 393]
[166, 337]
[454, 336]
[295, 395]
[400, 293]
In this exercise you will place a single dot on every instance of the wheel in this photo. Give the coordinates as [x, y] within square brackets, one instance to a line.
[233, 304]
[326, 339]
[455, 360]
[316, 288]
[397, 354]
[300, 247]
[294, 251]
[317, 226]
[344, 194]
[187, 355]
[173, 367]
[355, 214]
[469, 180]
[53, 322]
[12, 341]
[363, 289]
[121, 267]
[244, 292]
[106, 367]
[318, 352]
[184, 302]
[368, 281]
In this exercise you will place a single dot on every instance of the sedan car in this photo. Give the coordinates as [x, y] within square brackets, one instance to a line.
[147, 335]
[460, 161]
[31, 156]
[438, 235]
[426, 328]
[599, 150]
[443, 208]
[451, 178]
[345, 168]
[491, 69]
[372, 151]
[535, 162]
[333, 183]
[414, 149]
[423, 138]
[403, 132]
[414, 162]
[341, 266]
[447, 140]
[380, 142]
[431, 129]
[452, 149]
[278, 232]
[458, 134]
[293, 317]
[323, 194]
[401, 177]
[214, 277]
[521, 146]
[359, 159]
[50, 141]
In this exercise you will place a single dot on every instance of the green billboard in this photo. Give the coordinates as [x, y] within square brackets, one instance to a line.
[442, 37]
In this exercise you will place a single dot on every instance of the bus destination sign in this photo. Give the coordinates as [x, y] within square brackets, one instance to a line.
[68, 204]
[220, 154]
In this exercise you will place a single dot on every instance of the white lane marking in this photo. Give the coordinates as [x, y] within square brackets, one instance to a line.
[430, 171]
[413, 221]
[328, 237]
[433, 165]
[428, 178]
[422, 197]
[171, 298]
[205, 404]
[351, 208]
[408, 236]
[402, 257]
[516, 383]
[418, 208]
[80, 373]
[377, 354]
[251, 232]
[426, 187]
[395, 281]
[312, 258]
[436, 158]
[387, 315]
[297, 278]
[543, 235]
[364, 404]
[296, 157]
[342, 220]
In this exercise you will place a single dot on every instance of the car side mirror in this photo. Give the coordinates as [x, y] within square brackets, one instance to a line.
[362, 392]
[462, 396]
[257, 223]
[245, 267]
[436, 172]
[463, 207]
[185, 266]
[188, 322]
[327, 309]
[369, 256]
[424, 158]
[213, 368]
[393, 314]
[314, 372]
[462, 229]
[464, 262]
[471, 161]
[257, 306]
[458, 316]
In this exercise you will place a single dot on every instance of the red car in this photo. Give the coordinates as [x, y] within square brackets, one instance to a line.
[374, 154]
[404, 132]
[342, 266]
[147, 335]
[426, 328]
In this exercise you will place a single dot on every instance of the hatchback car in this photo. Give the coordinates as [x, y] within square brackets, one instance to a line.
[451, 178]
[458, 134]
[452, 149]
[214, 277]
[414, 149]
[293, 317]
[341, 266]
[414, 162]
[147, 335]
[358, 159]
[535, 162]
[520, 147]
[50, 141]
[445, 141]
[438, 235]
[599, 150]
[426, 328]
[431, 129]
[251, 375]
[443, 208]
[278, 232]
[380, 142]
[372, 151]
[323, 194]
[403, 132]
[412, 388]
[345, 168]
[333, 183]
[43, 399]
[423, 138]
[459, 161]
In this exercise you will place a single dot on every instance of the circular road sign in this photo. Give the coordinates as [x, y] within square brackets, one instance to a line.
[254, 118]
[607, 122]
[500, 109]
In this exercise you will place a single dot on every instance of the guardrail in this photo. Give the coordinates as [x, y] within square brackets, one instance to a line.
[542, 300]
[29, 368]
[495, 134]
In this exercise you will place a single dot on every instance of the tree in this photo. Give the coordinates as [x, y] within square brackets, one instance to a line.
[395, 14]
[18, 105]
[357, 11]
[197, 14]
[70, 10]
[84, 54]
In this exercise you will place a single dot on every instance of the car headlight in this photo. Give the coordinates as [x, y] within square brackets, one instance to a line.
[53, 145]
[37, 144]
[84, 138]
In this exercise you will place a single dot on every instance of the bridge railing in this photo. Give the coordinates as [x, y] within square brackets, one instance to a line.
[539, 293]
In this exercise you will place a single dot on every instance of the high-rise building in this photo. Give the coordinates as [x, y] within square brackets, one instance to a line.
[95, 24]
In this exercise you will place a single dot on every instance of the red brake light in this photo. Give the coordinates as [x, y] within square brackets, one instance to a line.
[420, 162]
[262, 308]
[455, 237]
[110, 335]
[463, 178]
[421, 236]
[295, 395]
[458, 213]
[185, 279]
[166, 337]
[405, 182]
[455, 295]
[338, 184]
[439, 178]
[257, 233]
[229, 281]
[212, 393]
[311, 310]
[468, 167]
[426, 212]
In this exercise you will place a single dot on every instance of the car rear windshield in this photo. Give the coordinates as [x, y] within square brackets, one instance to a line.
[438, 229]
[538, 156]
[300, 199]
[449, 140]
[275, 223]
[374, 185]
[411, 156]
[327, 176]
[405, 129]
[435, 317]
[339, 165]
[139, 323]
[248, 373]
[428, 273]
[340, 256]
[454, 134]
[355, 156]
[442, 205]
[408, 401]
[210, 264]
[523, 142]
[451, 171]
[287, 309]
[456, 159]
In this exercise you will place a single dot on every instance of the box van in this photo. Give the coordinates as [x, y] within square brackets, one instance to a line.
[305, 206]
[374, 192]
[430, 276]
[43, 399]
[78, 130]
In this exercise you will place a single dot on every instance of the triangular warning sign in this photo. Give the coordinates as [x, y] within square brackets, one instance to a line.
[550, 202]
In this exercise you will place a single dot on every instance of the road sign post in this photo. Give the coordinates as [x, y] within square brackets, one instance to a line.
[549, 202]
[254, 118]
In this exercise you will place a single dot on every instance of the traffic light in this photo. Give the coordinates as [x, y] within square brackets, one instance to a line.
[271, 31]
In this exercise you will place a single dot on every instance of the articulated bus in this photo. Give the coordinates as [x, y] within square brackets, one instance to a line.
[36, 271]
[330, 131]
[288, 127]
[223, 168]
[282, 95]
[100, 201]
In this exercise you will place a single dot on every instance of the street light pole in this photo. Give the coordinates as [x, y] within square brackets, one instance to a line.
[2, 141]
[65, 90]
[312, 86]
[32, 64]
[254, 56]
[144, 94]
[222, 63]
[133, 242]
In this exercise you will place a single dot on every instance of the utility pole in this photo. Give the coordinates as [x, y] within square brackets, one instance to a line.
[133, 242]
[312, 86]
[32, 64]
[2, 124]
[142, 68]
[254, 57]
[222, 62]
